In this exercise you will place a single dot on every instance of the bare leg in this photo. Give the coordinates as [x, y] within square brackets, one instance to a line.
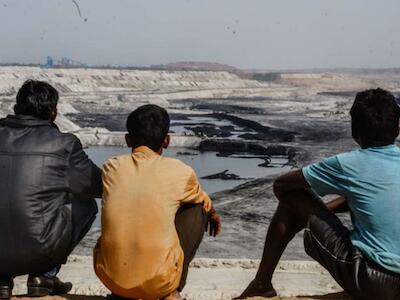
[290, 217]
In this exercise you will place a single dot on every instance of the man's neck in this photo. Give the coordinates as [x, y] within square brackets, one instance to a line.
[159, 151]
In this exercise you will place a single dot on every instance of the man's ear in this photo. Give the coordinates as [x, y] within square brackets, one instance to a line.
[128, 140]
[397, 132]
[166, 142]
[53, 116]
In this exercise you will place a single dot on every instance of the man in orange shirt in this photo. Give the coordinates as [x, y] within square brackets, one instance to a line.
[154, 214]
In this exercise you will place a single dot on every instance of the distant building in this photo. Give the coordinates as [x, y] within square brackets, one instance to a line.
[49, 63]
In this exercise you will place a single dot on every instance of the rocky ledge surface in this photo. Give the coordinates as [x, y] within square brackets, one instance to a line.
[210, 279]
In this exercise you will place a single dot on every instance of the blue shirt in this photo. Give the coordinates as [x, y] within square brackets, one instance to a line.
[370, 181]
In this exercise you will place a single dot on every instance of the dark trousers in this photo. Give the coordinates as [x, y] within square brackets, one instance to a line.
[83, 214]
[190, 222]
[328, 241]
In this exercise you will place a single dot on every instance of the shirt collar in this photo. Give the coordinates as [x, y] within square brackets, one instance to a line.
[144, 151]
[26, 121]
[382, 148]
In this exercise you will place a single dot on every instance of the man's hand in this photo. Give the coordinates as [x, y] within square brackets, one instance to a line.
[338, 205]
[213, 225]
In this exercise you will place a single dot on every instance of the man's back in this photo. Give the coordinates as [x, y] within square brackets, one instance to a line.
[139, 253]
[39, 168]
[369, 179]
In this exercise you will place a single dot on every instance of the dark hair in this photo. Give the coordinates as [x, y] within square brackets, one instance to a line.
[375, 118]
[148, 126]
[37, 99]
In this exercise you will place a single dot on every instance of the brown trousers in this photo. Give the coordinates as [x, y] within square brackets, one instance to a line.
[190, 222]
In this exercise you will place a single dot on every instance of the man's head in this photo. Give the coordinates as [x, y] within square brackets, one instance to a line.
[148, 126]
[38, 99]
[375, 118]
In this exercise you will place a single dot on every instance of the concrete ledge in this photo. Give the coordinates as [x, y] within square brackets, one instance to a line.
[210, 279]
[335, 296]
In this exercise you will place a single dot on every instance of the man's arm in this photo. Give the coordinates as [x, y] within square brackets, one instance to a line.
[194, 194]
[295, 180]
[213, 223]
[83, 176]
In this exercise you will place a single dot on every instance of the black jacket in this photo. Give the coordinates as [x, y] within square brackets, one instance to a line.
[40, 169]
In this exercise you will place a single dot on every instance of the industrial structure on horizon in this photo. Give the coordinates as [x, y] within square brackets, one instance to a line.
[64, 62]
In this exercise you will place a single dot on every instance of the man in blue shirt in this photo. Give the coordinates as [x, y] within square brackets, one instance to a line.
[365, 261]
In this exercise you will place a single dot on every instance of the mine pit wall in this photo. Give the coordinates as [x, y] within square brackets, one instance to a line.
[101, 137]
[70, 81]
[122, 88]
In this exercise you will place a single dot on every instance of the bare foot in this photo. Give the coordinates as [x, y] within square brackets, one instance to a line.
[173, 296]
[257, 288]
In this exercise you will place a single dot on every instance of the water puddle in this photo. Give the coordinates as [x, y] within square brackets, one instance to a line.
[205, 164]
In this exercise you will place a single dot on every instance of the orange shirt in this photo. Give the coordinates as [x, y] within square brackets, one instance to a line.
[138, 254]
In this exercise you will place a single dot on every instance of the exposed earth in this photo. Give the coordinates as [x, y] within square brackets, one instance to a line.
[299, 115]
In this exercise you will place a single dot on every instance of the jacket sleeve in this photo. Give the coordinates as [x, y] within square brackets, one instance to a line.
[194, 193]
[83, 176]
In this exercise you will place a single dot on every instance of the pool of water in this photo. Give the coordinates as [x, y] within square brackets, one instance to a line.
[204, 163]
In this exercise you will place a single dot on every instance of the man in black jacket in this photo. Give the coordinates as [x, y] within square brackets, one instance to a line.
[41, 171]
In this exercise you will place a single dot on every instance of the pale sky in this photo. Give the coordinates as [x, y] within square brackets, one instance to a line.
[264, 34]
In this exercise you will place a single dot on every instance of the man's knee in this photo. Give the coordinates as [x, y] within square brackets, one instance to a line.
[190, 222]
[303, 204]
[190, 213]
[84, 214]
[84, 209]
